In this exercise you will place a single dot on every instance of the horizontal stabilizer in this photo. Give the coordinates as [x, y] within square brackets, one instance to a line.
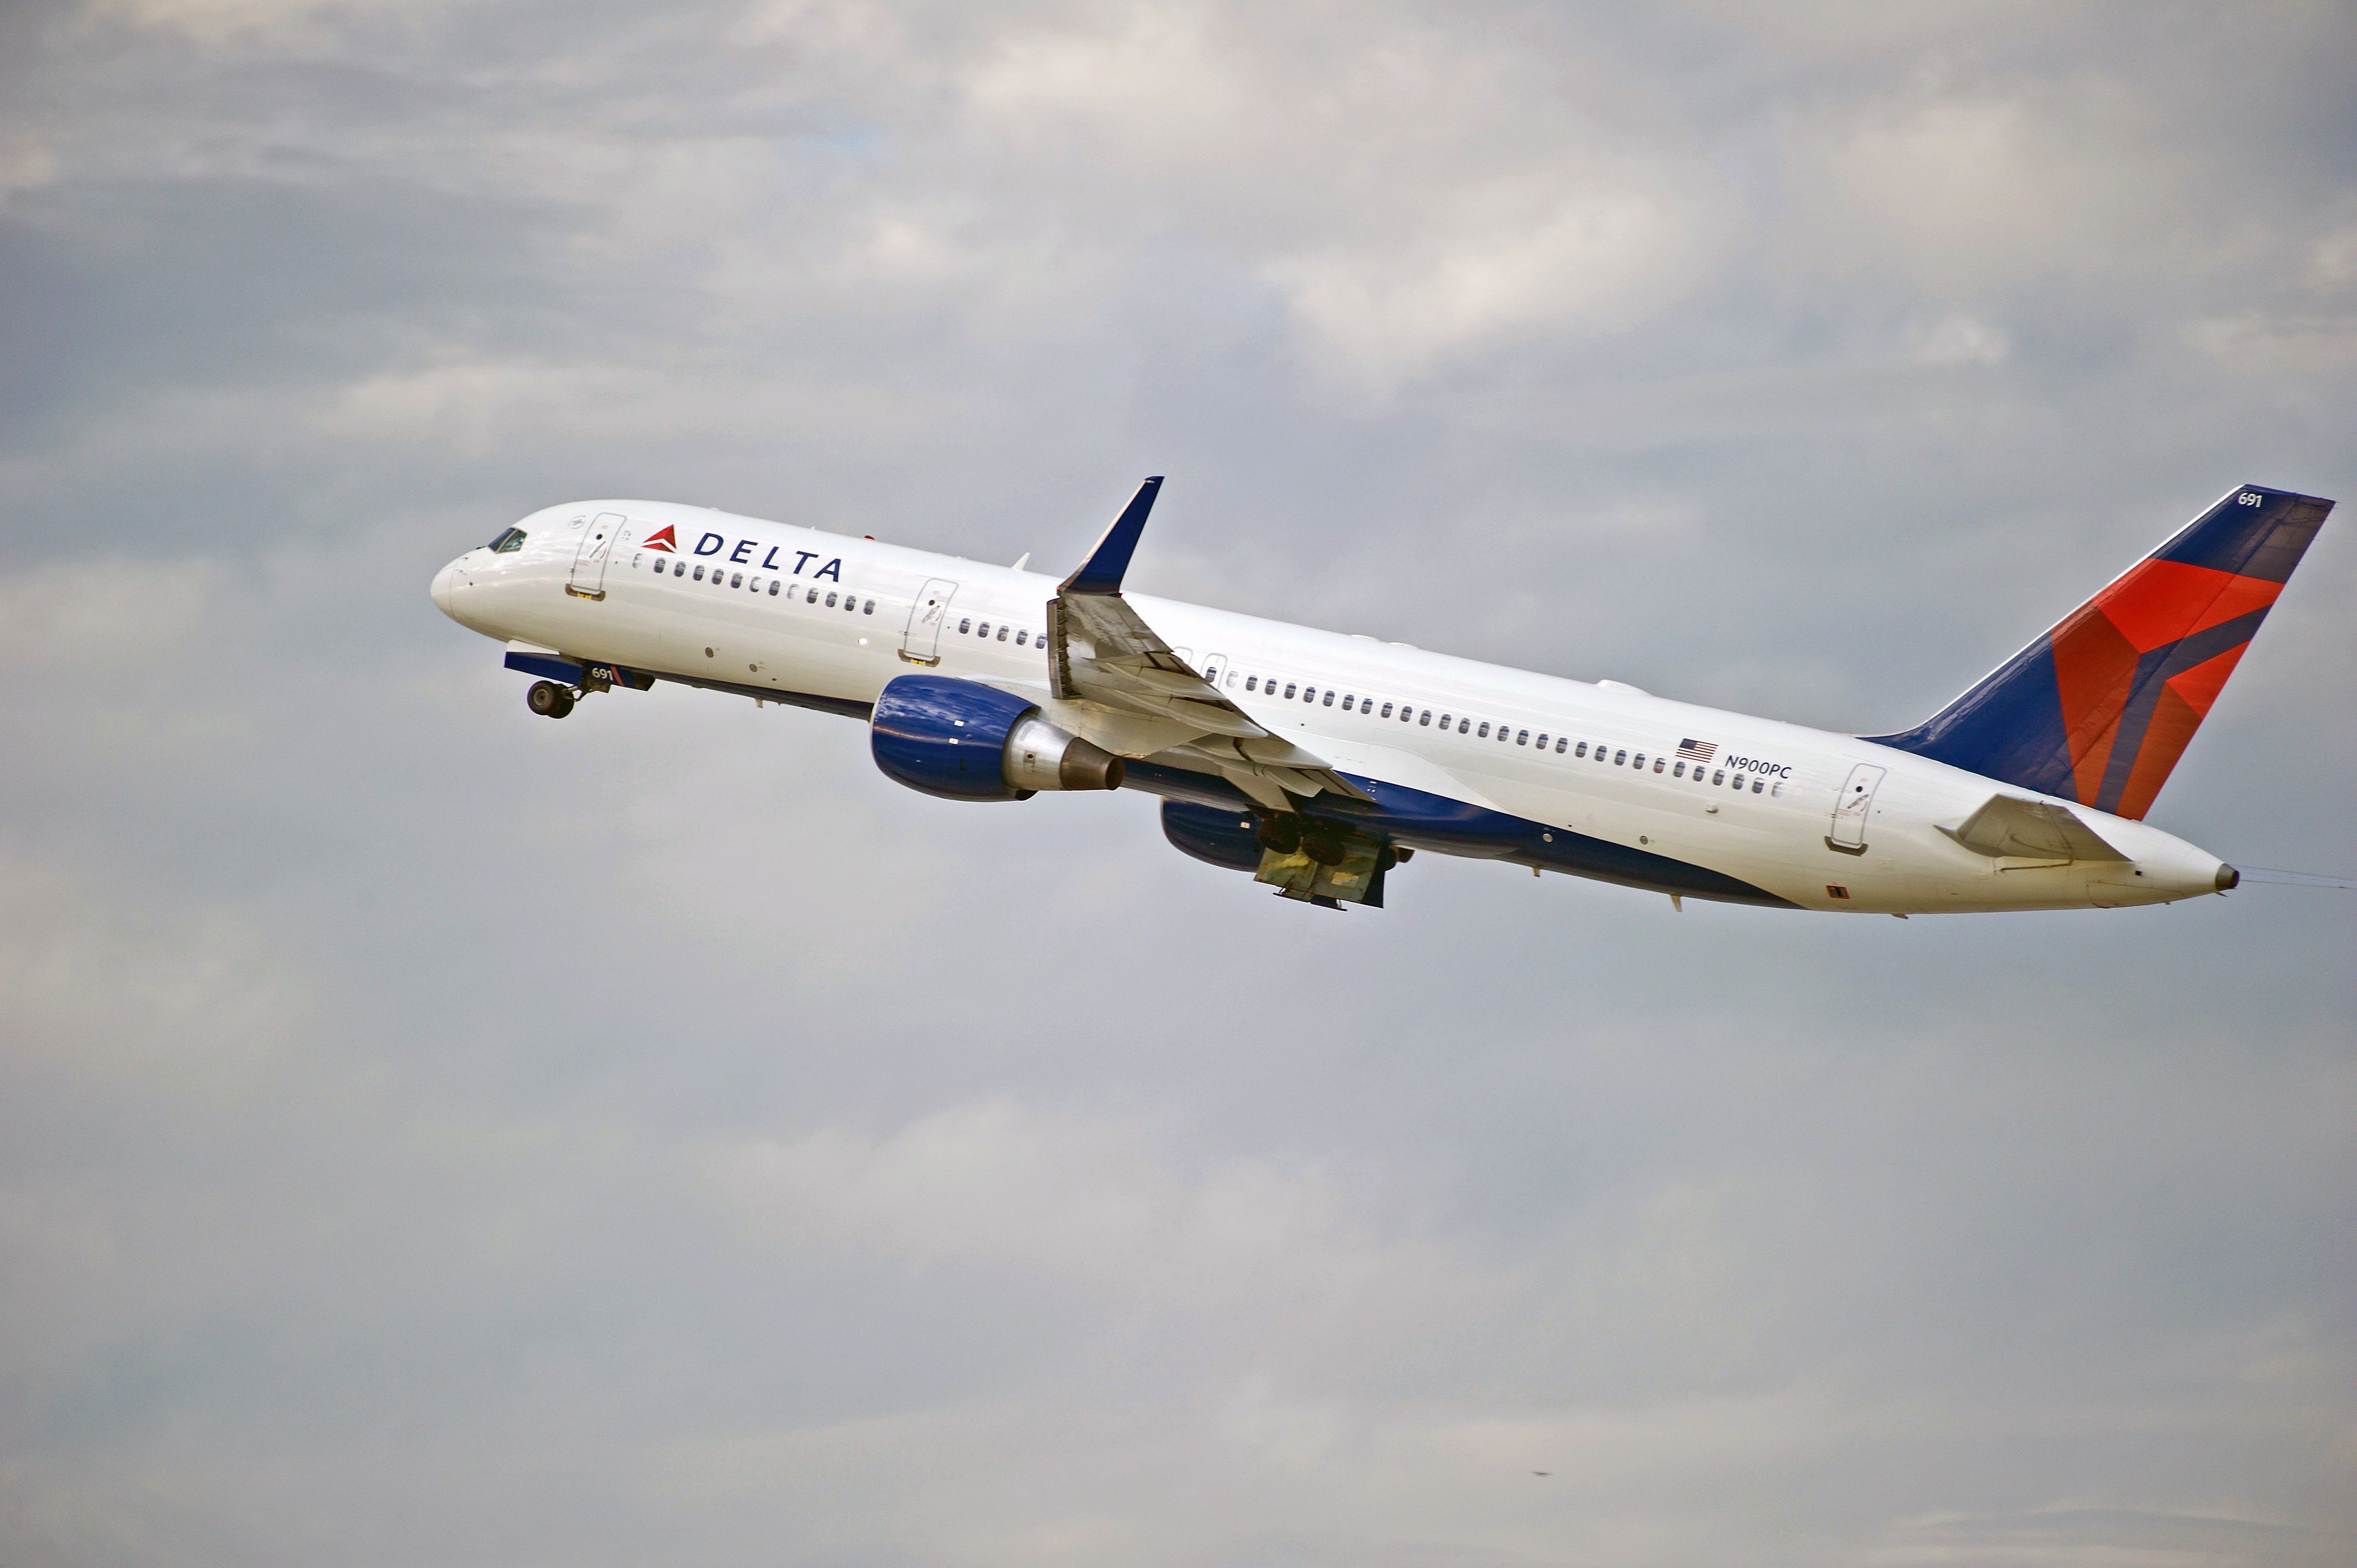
[2031, 829]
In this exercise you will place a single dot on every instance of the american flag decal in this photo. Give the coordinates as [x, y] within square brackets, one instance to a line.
[1697, 750]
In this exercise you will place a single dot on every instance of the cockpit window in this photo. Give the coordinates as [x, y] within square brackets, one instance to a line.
[512, 540]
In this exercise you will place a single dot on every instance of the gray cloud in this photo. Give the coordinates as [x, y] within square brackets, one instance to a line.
[436, 1135]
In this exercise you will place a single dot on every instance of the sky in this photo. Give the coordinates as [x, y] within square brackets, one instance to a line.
[432, 1135]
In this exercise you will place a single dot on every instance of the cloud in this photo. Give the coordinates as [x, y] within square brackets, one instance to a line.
[1964, 192]
[113, 616]
[197, 1004]
[1959, 340]
[1088, 1200]
[271, 24]
[435, 1132]
[1491, 268]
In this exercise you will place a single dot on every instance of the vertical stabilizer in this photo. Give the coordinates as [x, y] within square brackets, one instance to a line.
[2099, 709]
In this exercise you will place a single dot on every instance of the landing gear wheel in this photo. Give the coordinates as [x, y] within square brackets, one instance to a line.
[549, 699]
[1280, 834]
[1325, 852]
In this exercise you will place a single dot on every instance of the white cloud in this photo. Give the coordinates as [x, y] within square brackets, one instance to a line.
[1092, 1201]
[197, 1004]
[1414, 193]
[2332, 262]
[1959, 340]
[274, 24]
[1496, 267]
[2255, 343]
[102, 615]
[1964, 191]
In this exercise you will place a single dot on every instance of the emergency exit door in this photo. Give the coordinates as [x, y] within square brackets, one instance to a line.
[921, 643]
[1856, 804]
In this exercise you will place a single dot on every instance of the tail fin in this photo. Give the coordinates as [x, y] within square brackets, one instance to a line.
[2099, 709]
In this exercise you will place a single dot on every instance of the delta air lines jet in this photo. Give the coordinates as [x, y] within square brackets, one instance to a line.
[1318, 762]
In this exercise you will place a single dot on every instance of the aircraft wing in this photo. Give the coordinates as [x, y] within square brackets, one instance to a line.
[2033, 830]
[1102, 652]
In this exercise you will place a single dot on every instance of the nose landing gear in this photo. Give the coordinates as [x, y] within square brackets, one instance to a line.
[549, 699]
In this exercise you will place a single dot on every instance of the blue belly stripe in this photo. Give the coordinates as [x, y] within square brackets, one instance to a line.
[1420, 820]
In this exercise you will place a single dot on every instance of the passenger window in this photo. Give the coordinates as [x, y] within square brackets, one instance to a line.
[1002, 634]
[1387, 711]
[830, 601]
[1428, 717]
[869, 608]
[1718, 777]
[1582, 751]
[965, 627]
[1445, 720]
[699, 573]
[1330, 696]
[678, 568]
[774, 587]
[1485, 730]
[1657, 765]
[1288, 691]
[1618, 758]
[1541, 740]
[1679, 772]
[983, 631]
[1252, 682]
[1523, 737]
[1559, 744]
[735, 579]
[1346, 703]
[1755, 786]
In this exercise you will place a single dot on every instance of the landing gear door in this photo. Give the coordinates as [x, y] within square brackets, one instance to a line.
[588, 579]
[1851, 809]
[921, 643]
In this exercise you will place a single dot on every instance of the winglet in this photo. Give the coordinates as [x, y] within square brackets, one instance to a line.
[1101, 571]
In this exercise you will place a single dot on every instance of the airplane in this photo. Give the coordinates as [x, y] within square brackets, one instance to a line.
[1318, 762]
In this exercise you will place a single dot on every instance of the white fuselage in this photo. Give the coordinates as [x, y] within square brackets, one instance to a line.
[1561, 752]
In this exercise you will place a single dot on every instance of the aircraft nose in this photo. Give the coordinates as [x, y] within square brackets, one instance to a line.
[442, 582]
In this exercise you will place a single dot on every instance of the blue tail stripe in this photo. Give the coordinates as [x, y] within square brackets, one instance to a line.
[2010, 727]
[2264, 540]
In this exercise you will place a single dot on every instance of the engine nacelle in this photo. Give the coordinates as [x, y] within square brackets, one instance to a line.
[1224, 835]
[964, 741]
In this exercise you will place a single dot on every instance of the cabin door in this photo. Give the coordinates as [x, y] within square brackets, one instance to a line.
[588, 579]
[1850, 811]
[921, 643]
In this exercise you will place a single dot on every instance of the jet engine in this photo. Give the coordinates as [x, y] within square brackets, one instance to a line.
[964, 741]
[1224, 835]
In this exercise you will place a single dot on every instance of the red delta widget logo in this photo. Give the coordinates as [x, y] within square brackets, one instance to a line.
[661, 539]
